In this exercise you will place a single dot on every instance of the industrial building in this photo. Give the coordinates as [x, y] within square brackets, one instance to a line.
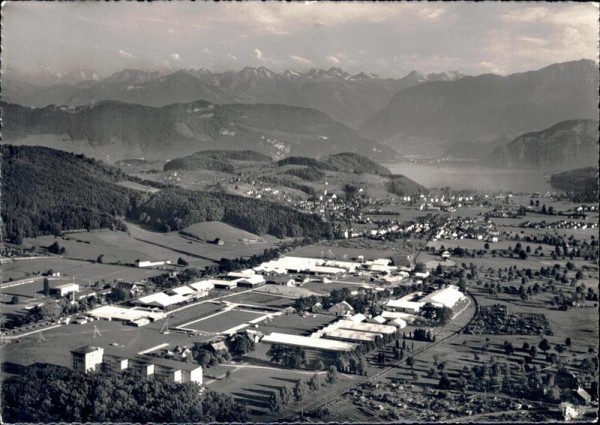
[308, 342]
[445, 297]
[87, 358]
[113, 312]
[64, 289]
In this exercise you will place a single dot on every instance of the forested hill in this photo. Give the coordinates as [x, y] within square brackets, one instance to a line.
[345, 162]
[581, 184]
[565, 145]
[175, 209]
[45, 191]
[215, 160]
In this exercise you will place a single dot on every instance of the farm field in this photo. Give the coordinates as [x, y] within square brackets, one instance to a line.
[114, 246]
[203, 250]
[85, 270]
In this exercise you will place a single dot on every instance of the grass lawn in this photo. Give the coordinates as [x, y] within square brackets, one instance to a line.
[73, 268]
[223, 321]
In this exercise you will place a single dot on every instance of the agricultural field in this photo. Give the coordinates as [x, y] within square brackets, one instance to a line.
[199, 250]
[114, 246]
[85, 270]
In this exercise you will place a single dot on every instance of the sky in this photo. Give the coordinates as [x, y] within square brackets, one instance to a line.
[96, 39]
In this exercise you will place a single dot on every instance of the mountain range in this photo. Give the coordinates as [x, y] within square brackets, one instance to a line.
[128, 130]
[486, 107]
[347, 98]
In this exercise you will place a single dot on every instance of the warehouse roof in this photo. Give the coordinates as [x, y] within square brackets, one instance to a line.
[447, 297]
[366, 327]
[307, 342]
[202, 285]
[350, 335]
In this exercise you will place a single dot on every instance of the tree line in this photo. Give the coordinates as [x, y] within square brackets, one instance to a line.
[58, 394]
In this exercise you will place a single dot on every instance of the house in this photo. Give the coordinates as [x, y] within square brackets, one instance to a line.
[132, 288]
[317, 308]
[218, 241]
[445, 255]
[218, 346]
[399, 323]
[377, 320]
[340, 309]
[285, 280]
[357, 318]
[583, 395]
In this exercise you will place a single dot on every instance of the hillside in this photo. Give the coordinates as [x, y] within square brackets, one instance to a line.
[128, 131]
[564, 145]
[347, 98]
[176, 209]
[487, 107]
[401, 185]
[215, 160]
[581, 184]
[45, 191]
[345, 162]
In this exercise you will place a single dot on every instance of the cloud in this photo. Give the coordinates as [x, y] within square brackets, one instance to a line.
[125, 54]
[333, 59]
[258, 53]
[232, 56]
[301, 60]
[176, 57]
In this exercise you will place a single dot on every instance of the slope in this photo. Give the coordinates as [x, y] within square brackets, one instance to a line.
[564, 145]
[182, 129]
[487, 107]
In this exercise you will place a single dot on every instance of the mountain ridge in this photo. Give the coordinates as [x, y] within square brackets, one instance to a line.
[347, 98]
[487, 107]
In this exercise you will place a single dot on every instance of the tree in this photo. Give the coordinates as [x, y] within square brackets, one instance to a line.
[51, 310]
[274, 403]
[444, 383]
[100, 259]
[568, 342]
[285, 395]
[544, 345]
[228, 375]
[14, 300]
[46, 287]
[332, 375]
[300, 390]
[314, 383]
[410, 362]
[182, 262]
[241, 344]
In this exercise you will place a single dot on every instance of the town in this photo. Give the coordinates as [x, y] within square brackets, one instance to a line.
[407, 298]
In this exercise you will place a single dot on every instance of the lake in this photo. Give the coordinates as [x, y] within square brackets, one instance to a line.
[470, 176]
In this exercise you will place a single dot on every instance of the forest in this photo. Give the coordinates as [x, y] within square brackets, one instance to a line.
[175, 209]
[57, 394]
[46, 191]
